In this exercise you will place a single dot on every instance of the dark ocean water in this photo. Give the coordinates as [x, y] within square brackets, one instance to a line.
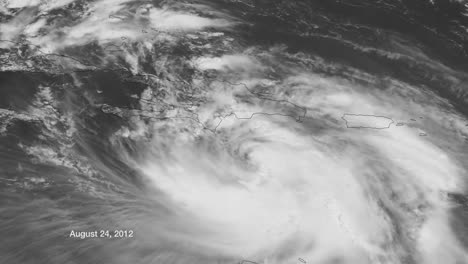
[77, 139]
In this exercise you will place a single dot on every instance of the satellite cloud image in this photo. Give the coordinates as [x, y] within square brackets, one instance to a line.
[233, 131]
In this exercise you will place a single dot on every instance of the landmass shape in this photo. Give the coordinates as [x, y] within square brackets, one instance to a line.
[367, 121]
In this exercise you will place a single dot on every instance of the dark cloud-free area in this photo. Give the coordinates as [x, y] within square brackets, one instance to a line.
[234, 131]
